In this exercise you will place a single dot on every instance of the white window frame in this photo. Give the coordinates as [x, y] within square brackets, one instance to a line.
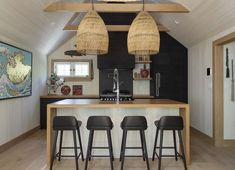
[72, 62]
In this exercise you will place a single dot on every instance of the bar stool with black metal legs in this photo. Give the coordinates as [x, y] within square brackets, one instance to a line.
[66, 123]
[134, 123]
[103, 123]
[174, 123]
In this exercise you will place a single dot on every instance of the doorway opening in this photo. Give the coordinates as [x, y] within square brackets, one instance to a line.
[218, 90]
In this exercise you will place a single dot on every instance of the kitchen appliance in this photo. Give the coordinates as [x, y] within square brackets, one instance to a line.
[113, 97]
[108, 95]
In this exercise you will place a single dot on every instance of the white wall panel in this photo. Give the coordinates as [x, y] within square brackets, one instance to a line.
[200, 85]
[89, 87]
[20, 115]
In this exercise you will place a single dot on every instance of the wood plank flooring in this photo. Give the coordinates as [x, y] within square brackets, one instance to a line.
[30, 155]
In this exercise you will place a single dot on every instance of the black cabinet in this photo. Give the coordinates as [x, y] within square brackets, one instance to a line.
[43, 110]
[117, 56]
[172, 64]
[44, 101]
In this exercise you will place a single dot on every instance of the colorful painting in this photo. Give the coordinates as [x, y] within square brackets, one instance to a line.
[15, 72]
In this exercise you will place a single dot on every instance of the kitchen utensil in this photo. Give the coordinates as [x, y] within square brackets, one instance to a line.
[158, 83]
[232, 89]
[227, 64]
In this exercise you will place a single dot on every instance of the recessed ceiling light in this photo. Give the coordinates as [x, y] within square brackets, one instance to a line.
[52, 23]
[177, 21]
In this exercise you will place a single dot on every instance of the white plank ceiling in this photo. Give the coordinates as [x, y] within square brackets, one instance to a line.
[25, 22]
[206, 18]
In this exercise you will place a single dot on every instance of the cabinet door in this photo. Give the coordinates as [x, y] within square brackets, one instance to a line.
[172, 66]
[43, 110]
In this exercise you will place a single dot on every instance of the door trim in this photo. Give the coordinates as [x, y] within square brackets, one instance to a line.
[218, 91]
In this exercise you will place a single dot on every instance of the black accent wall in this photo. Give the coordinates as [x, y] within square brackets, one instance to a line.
[118, 56]
[172, 64]
[106, 80]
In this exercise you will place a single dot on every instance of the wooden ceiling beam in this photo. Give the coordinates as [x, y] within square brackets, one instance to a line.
[114, 28]
[73, 18]
[105, 7]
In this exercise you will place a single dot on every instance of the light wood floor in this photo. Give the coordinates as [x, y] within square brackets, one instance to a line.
[30, 155]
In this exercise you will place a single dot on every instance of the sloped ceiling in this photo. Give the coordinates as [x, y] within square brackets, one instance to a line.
[24, 21]
[206, 18]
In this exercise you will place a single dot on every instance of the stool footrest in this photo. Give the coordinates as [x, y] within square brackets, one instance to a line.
[169, 156]
[99, 156]
[178, 155]
[133, 147]
[100, 147]
[57, 155]
[165, 147]
[138, 156]
[70, 148]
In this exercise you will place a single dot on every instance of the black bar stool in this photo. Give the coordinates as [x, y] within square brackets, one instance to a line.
[174, 123]
[66, 123]
[136, 123]
[99, 123]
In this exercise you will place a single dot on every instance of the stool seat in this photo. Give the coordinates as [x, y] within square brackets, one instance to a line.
[99, 123]
[134, 123]
[61, 124]
[66, 123]
[171, 123]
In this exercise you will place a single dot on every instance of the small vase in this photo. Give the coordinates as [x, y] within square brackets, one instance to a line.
[144, 72]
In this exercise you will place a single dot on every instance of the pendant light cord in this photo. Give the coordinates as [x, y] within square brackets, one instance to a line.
[92, 5]
[143, 5]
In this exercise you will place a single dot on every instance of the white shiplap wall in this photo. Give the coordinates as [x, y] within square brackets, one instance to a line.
[89, 87]
[199, 85]
[20, 115]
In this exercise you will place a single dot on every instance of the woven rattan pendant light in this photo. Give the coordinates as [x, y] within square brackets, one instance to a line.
[143, 36]
[92, 34]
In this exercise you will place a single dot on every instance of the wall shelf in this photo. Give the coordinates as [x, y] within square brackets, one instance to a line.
[143, 62]
[148, 78]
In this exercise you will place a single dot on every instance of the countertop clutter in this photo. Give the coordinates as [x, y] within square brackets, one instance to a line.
[89, 96]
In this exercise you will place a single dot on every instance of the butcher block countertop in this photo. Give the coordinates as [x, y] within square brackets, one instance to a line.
[58, 96]
[137, 103]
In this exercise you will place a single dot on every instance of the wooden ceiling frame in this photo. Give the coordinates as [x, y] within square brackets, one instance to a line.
[116, 7]
[112, 28]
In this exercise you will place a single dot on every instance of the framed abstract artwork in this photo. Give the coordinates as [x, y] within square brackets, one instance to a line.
[15, 72]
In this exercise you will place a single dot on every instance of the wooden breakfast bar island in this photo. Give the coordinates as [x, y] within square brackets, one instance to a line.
[152, 109]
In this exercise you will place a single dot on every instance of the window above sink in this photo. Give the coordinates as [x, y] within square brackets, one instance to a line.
[73, 70]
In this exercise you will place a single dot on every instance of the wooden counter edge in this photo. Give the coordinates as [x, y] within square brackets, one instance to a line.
[89, 96]
[70, 96]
